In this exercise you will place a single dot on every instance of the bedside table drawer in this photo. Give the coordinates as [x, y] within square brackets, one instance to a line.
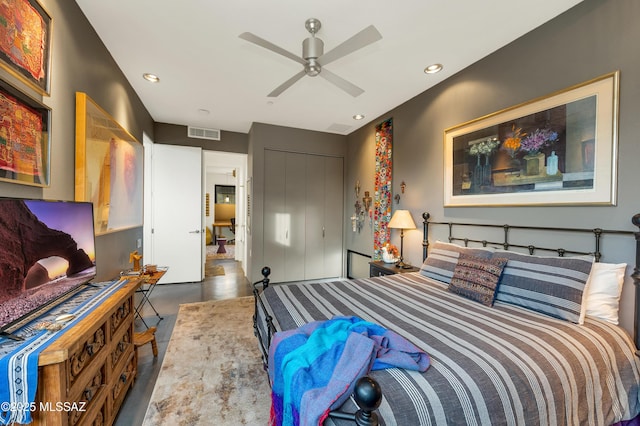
[376, 271]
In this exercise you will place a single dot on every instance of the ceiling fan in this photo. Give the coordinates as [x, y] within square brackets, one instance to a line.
[313, 56]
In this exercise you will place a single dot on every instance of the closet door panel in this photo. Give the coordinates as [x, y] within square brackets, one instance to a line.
[315, 211]
[295, 216]
[275, 225]
[333, 212]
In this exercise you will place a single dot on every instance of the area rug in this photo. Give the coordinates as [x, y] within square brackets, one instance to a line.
[212, 252]
[212, 270]
[212, 372]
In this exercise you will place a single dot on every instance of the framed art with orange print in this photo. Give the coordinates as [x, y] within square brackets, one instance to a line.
[25, 141]
[25, 42]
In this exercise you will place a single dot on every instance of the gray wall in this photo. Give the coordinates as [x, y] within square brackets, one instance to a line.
[265, 136]
[173, 134]
[80, 62]
[594, 38]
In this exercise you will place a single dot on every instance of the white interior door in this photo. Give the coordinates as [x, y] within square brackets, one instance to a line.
[177, 212]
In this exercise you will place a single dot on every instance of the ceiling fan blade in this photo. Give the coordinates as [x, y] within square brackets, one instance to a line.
[363, 38]
[350, 88]
[284, 86]
[270, 46]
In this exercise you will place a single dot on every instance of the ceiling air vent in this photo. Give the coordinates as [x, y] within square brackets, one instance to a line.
[202, 133]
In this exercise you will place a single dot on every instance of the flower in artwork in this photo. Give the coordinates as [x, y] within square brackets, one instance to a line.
[513, 142]
[537, 140]
[485, 147]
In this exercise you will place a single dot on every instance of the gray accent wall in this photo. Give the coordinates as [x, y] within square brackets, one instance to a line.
[592, 39]
[265, 136]
[174, 134]
[80, 62]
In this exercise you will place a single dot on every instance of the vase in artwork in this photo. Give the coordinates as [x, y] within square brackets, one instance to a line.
[552, 164]
[534, 164]
[477, 174]
[486, 171]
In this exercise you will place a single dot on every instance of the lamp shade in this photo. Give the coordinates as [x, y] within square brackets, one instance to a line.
[402, 219]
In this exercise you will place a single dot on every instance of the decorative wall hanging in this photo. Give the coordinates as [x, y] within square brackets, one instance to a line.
[25, 42]
[25, 139]
[361, 209]
[559, 149]
[382, 191]
[109, 164]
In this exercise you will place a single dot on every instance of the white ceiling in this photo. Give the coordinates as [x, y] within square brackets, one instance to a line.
[193, 46]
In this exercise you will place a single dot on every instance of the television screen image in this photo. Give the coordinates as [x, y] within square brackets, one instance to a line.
[47, 249]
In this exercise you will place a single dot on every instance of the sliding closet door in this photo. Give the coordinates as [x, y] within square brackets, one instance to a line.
[295, 216]
[314, 260]
[275, 224]
[333, 211]
[302, 216]
[324, 217]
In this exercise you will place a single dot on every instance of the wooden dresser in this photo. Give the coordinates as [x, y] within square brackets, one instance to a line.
[84, 376]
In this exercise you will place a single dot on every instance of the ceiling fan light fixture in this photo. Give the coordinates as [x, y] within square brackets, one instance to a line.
[312, 68]
[151, 77]
[432, 69]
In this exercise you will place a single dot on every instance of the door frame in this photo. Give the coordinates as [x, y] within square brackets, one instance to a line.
[223, 161]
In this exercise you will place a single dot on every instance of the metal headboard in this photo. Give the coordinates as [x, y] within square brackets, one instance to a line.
[596, 232]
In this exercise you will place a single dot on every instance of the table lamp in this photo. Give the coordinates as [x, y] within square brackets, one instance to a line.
[402, 220]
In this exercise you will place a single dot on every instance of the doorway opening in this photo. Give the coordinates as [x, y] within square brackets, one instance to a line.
[225, 203]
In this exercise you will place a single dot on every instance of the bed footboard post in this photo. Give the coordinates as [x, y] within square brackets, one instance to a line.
[636, 281]
[425, 235]
[368, 396]
[264, 283]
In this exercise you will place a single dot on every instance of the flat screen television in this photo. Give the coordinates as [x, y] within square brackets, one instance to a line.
[47, 251]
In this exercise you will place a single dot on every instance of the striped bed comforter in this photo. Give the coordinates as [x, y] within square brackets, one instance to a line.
[490, 365]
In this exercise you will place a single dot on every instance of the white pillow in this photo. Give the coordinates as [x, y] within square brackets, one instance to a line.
[602, 295]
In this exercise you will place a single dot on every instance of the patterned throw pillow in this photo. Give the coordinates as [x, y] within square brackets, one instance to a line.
[443, 258]
[476, 278]
[549, 285]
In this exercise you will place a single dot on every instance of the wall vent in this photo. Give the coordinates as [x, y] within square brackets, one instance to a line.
[202, 133]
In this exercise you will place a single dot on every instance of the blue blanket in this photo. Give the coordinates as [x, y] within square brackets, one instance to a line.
[314, 368]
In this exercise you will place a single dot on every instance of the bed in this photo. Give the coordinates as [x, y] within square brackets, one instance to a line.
[531, 357]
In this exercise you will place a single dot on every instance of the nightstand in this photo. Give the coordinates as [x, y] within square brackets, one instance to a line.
[379, 268]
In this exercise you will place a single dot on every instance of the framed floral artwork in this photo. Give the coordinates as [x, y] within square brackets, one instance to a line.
[25, 42]
[25, 138]
[560, 149]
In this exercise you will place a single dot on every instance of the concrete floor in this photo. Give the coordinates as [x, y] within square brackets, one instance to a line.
[166, 298]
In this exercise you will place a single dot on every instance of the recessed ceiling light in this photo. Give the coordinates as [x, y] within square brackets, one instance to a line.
[432, 69]
[358, 117]
[151, 77]
[203, 111]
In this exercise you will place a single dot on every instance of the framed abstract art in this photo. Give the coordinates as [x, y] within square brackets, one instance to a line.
[25, 138]
[109, 168]
[25, 42]
[382, 186]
